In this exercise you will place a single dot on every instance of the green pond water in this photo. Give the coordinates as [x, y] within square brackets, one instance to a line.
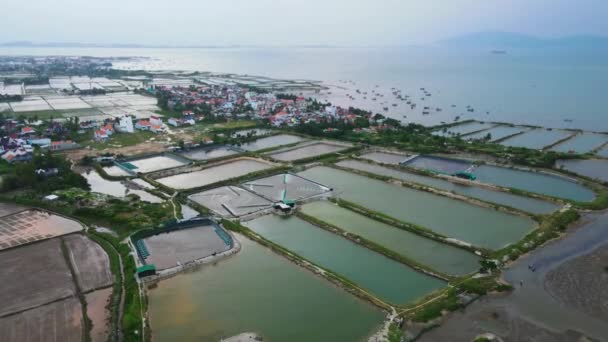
[534, 182]
[441, 257]
[527, 204]
[457, 219]
[388, 279]
[257, 291]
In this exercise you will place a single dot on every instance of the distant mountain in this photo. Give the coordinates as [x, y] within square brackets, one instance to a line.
[506, 40]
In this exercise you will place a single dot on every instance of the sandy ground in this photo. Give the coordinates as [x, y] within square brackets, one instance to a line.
[562, 299]
[33, 275]
[58, 322]
[90, 263]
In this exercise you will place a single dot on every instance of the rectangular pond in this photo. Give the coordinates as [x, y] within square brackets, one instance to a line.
[603, 152]
[592, 168]
[285, 186]
[213, 174]
[441, 257]
[384, 157]
[537, 182]
[269, 142]
[497, 133]
[464, 128]
[390, 280]
[151, 164]
[230, 201]
[527, 204]
[456, 219]
[307, 151]
[536, 139]
[208, 153]
[257, 291]
[439, 164]
[582, 143]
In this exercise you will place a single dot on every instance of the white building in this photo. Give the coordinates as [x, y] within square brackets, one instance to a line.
[125, 125]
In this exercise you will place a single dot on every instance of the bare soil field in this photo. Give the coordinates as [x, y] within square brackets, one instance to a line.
[10, 208]
[33, 225]
[33, 275]
[99, 314]
[90, 263]
[58, 322]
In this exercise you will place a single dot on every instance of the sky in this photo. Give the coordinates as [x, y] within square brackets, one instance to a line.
[291, 22]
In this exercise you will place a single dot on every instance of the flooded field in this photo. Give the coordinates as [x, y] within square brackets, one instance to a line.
[230, 201]
[152, 164]
[438, 164]
[208, 153]
[285, 186]
[527, 204]
[536, 139]
[116, 171]
[278, 300]
[99, 314]
[307, 151]
[272, 141]
[582, 143]
[592, 168]
[464, 128]
[441, 257]
[366, 268]
[497, 133]
[116, 188]
[384, 157]
[477, 225]
[213, 174]
[534, 182]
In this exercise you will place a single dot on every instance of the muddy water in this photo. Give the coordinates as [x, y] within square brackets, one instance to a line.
[534, 182]
[257, 291]
[532, 299]
[208, 153]
[453, 218]
[116, 188]
[527, 204]
[441, 257]
[384, 277]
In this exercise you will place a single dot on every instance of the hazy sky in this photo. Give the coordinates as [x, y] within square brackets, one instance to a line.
[281, 22]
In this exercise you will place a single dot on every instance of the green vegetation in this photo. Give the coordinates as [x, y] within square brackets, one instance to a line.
[23, 175]
[395, 334]
[122, 140]
[434, 309]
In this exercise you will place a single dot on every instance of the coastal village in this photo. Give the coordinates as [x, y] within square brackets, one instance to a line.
[218, 189]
